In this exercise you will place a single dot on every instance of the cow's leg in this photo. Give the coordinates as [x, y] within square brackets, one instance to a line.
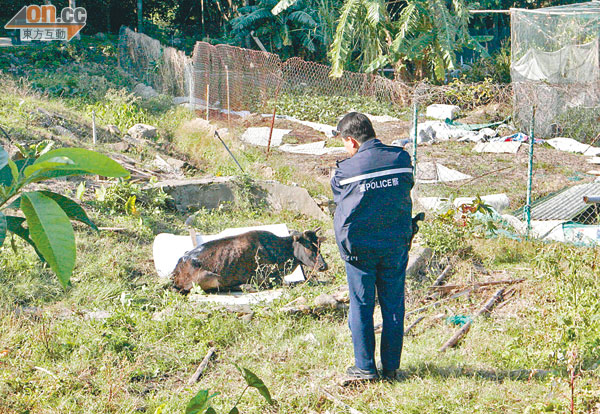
[210, 281]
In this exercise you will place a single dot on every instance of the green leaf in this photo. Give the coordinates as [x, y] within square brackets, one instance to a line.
[199, 403]
[80, 190]
[3, 228]
[15, 226]
[14, 170]
[234, 410]
[73, 210]
[89, 161]
[130, 206]
[3, 157]
[210, 410]
[52, 164]
[483, 38]
[253, 381]
[52, 233]
[7, 173]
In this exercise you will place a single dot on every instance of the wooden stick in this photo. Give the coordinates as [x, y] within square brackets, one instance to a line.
[202, 366]
[340, 402]
[467, 326]
[439, 302]
[412, 325]
[228, 104]
[442, 276]
[477, 285]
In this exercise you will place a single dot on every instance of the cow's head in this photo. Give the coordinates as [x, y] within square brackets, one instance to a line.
[307, 249]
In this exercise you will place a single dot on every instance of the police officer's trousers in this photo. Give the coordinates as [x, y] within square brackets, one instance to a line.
[386, 275]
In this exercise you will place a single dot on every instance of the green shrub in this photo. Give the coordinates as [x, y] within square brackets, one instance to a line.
[120, 108]
[579, 123]
[496, 68]
[327, 109]
[447, 233]
[471, 95]
[575, 294]
[127, 197]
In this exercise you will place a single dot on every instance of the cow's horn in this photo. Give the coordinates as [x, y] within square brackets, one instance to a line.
[318, 229]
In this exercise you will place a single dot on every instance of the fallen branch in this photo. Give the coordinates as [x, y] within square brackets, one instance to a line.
[467, 326]
[477, 285]
[412, 325]
[439, 302]
[202, 366]
[337, 401]
[442, 276]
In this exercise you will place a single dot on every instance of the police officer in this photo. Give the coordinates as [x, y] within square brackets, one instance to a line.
[373, 230]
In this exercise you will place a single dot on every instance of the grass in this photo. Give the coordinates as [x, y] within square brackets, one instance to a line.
[140, 356]
[56, 356]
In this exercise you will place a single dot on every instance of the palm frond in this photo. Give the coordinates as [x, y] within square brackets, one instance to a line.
[249, 20]
[307, 41]
[302, 18]
[418, 47]
[406, 26]
[344, 36]
[379, 63]
[445, 31]
[376, 12]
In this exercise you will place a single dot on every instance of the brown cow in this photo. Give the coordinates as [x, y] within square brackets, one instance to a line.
[228, 263]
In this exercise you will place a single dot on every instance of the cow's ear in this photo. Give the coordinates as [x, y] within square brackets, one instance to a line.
[322, 239]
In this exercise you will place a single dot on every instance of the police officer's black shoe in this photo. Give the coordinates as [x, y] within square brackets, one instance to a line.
[360, 374]
[392, 375]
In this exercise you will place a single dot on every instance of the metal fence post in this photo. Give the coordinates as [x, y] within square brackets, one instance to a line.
[530, 171]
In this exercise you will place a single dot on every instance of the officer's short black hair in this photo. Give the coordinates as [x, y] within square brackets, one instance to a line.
[357, 126]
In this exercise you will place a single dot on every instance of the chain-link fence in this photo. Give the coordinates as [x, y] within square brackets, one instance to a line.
[243, 79]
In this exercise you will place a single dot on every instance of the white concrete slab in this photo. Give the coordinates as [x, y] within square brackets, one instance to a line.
[571, 145]
[312, 148]
[433, 172]
[237, 298]
[324, 128]
[498, 147]
[594, 160]
[260, 136]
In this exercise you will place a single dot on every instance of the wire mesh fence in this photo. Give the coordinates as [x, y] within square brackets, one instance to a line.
[252, 79]
[497, 161]
[166, 69]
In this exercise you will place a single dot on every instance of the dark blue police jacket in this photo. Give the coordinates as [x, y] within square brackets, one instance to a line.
[371, 191]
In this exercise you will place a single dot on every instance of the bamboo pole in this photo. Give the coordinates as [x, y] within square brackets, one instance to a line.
[207, 99]
[228, 102]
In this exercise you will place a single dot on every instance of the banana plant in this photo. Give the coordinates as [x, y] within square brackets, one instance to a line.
[291, 31]
[43, 218]
[420, 41]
